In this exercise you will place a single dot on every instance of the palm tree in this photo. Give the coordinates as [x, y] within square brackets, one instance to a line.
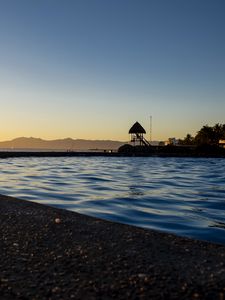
[205, 135]
[210, 135]
[188, 140]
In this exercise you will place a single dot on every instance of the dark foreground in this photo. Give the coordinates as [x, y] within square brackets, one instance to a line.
[168, 151]
[47, 253]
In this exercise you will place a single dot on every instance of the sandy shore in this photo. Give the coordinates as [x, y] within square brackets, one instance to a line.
[47, 253]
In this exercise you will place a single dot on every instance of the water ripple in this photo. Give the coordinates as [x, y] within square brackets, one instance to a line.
[185, 196]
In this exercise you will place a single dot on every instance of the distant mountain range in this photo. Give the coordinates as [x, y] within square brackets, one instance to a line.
[60, 144]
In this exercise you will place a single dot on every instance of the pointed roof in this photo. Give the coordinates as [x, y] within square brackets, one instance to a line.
[137, 128]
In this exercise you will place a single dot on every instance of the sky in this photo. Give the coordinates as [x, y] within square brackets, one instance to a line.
[89, 69]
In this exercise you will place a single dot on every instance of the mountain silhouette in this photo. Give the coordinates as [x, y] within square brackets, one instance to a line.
[60, 144]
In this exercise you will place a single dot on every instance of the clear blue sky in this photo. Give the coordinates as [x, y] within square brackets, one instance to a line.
[90, 69]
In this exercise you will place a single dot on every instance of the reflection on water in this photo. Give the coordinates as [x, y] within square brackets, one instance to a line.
[134, 191]
[185, 196]
[218, 224]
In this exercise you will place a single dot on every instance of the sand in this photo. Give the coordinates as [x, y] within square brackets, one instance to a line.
[49, 253]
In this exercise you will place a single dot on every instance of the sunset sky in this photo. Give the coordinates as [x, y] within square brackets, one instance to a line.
[90, 69]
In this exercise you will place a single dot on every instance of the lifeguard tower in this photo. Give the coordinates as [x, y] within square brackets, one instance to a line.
[137, 135]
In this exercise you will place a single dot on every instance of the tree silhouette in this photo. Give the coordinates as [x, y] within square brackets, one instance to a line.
[210, 135]
[188, 140]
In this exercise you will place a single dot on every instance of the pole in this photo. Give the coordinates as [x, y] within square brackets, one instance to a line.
[150, 133]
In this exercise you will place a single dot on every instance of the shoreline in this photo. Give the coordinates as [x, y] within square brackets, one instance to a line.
[18, 154]
[51, 253]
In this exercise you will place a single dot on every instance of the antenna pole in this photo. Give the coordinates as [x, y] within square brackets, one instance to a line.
[150, 133]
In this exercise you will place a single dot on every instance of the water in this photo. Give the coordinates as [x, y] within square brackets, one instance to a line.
[185, 196]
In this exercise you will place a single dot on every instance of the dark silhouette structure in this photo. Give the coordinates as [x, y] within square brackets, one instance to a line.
[137, 135]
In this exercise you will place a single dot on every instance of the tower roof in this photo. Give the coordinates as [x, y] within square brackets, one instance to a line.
[137, 128]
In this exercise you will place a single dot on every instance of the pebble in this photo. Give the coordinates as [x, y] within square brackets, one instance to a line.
[57, 220]
[142, 275]
[56, 290]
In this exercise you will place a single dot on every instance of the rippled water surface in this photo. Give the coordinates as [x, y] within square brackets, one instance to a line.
[185, 196]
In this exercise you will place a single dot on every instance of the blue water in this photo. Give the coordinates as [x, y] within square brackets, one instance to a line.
[185, 196]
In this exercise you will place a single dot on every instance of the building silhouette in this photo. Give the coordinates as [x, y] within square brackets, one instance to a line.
[137, 135]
